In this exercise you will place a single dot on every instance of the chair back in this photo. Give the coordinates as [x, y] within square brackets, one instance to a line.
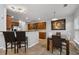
[56, 40]
[20, 35]
[58, 34]
[9, 36]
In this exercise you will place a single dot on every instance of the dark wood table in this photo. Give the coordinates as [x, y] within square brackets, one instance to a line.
[63, 40]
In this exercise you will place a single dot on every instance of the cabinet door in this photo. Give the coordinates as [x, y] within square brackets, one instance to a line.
[30, 26]
[35, 26]
[44, 25]
[42, 35]
[41, 25]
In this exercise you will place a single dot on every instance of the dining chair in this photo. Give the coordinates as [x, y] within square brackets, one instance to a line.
[9, 40]
[21, 39]
[58, 34]
[56, 43]
[59, 43]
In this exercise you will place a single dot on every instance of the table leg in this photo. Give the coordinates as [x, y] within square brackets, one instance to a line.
[67, 48]
[52, 46]
[48, 44]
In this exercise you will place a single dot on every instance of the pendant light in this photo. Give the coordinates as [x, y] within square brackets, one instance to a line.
[54, 16]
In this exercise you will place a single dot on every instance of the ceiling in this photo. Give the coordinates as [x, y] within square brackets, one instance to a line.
[41, 11]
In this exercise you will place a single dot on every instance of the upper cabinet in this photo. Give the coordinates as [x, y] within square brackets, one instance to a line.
[9, 22]
[41, 25]
[30, 26]
[38, 26]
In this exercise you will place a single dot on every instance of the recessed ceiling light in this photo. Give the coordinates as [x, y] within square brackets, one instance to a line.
[65, 5]
[19, 9]
[12, 7]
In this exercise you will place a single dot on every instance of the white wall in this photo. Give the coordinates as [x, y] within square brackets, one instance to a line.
[2, 24]
[76, 26]
[68, 33]
[2, 17]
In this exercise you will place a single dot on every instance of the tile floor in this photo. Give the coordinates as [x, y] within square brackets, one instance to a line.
[40, 49]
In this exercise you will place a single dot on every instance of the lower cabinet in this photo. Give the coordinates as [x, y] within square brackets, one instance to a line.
[42, 35]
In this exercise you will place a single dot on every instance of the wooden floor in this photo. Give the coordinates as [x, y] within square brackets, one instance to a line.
[40, 49]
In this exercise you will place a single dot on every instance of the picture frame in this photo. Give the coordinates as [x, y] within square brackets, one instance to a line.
[59, 24]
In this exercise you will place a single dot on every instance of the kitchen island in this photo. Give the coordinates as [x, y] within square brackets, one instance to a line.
[33, 38]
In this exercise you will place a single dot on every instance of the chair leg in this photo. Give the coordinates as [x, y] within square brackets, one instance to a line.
[14, 48]
[17, 48]
[67, 48]
[52, 47]
[6, 49]
[25, 47]
[27, 44]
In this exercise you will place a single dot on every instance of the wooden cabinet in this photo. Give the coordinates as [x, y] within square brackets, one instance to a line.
[30, 26]
[35, 26]
[42, 35]
[9, 22]
[41, 25]
[38, 26]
